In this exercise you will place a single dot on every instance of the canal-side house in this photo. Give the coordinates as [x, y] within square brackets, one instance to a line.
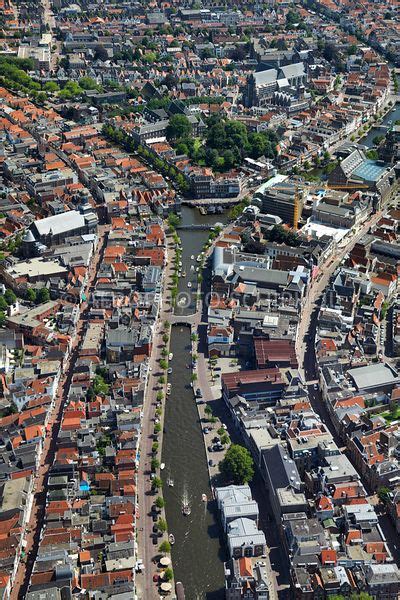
[246, 579]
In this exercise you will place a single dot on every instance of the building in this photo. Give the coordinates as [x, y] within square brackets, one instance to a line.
[281, 197]
[235, 501]
[245, 579]
[244, 538]
[262, 85]
[264, 385]
[356, 169]
[55, 229]
[374, 377]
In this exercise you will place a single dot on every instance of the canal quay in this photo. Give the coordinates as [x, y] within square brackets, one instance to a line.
[198, 553]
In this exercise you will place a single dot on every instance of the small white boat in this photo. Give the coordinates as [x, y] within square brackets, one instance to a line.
[192, 268]
[197, 269]
[189, 284]
[198, 258]
[171, 538]
[170, 482]
[170, 356]
[162, 467]
[204, 498]
[169, 371]
[186, 510]
[183, 273]
[180, 263]
[168, 391]
[192, 257]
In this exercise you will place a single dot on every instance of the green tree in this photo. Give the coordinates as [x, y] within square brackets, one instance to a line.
[194, 337]
[383, 494]
[208, 410]
[162, 525]
[10, 297]
[161, 380]
[178, 127]
[3, 304]
[173, 220]
[160, 502]
[165, 338]
[165, 547]
[154, 447]
[163, 364]
[31, 295]
[168, 574]
[157, 428]
[155, 463]
[100, 53]
[156, 484]
[237, 466]
[3, 318]
[159, 397]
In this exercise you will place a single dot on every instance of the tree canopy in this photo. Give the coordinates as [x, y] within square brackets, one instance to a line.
[178, 127]
[237, 466]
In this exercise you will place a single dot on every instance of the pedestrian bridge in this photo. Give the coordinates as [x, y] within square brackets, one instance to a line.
[198, 227]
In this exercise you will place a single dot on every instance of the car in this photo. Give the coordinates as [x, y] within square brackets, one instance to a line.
[210, 448]
[210, 463]
[155, 529]
[198, 393]
[154, 517]
[154, 539]
[215, 440]
[206, 430]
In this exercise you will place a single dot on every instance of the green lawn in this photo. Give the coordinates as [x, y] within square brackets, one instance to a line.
[389, 417]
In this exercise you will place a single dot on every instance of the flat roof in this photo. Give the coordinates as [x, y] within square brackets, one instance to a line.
[35, 267]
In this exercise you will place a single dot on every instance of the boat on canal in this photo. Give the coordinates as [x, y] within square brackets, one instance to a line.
[204, 498]
[189, 284]
[171, 539]
[192, 257]
[170, 356]
[162, 466]
[183, 273]
[186, 510]
[170, 482]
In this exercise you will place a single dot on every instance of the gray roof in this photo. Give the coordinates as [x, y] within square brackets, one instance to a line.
[261, 275]
[281, 468]
[244, 531]
[295, 70]
[61, 223]
[265, 77]
[372, 376]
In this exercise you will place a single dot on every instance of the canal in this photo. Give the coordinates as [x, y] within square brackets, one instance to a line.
[389, 119]
[197, 555]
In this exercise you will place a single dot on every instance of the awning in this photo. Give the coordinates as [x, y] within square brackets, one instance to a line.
[165, 561]
[166, 587]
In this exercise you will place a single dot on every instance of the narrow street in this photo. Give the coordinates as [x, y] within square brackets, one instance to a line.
[34, 526]
[317, 287]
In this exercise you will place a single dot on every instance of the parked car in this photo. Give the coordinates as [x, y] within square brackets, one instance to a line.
[198, 393]
[210, 463]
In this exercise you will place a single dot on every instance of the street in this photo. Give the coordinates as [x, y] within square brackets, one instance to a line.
[36, 520]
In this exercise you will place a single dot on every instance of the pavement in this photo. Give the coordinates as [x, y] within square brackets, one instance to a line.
[147, 551]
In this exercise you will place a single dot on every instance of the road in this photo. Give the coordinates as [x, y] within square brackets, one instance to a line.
[146, 588]
[35, 523]
[317, 287]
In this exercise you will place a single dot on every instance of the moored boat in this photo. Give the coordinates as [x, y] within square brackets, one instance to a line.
[171, 538]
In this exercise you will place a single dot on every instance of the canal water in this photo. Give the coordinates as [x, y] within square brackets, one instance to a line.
[198, 554]
[392, 116]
